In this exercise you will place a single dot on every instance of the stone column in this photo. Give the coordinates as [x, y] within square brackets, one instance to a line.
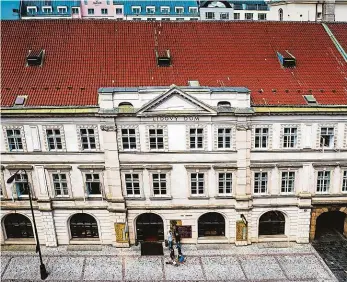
[49, 228]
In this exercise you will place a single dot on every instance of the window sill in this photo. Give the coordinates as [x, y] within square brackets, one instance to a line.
[160, 198]
[273, 238]
[198, 198]
[85, 241]
[20, 241]
[225, 197]
[135, 198]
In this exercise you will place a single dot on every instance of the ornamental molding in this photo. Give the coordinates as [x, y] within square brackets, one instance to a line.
[96, 135]
[233, 137]
[205, 136]
[345, 137]
[298, 135]
[333, 125]
[120, 140]
[21, 128]
[165, 137]
[243, 126]
[62, 134]
[270, 130]
[108, 128]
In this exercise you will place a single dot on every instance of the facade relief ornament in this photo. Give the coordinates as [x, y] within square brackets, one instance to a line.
[108, 128]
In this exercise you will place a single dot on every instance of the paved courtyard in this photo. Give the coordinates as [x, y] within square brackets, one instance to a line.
[258, 262]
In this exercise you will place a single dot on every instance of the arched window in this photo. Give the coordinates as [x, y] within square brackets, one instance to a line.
[149, 227]
[224, 104]
[18, 226]
[272, 223]
[280, 14]
[125, 107]
[83, 225]
[211, 224]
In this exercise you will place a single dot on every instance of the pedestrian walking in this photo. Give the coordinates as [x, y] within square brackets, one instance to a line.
[169, 239]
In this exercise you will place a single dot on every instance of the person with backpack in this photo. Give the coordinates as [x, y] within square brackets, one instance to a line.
[169, 240]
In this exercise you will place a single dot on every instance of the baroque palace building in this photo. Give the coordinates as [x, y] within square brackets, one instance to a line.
[138, 127]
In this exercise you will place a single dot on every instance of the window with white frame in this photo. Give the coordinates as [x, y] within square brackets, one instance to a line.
[210, 15]
[193, 10]
[104, 11]
[159, 184]
[197, 183]
[196, 138]
[156, 138]
[225, 183]
[136, 9]
[88, 138]
[165, 10]
[47, 9]
[119, 11]
[248, 16]
[290, 137]
[132, 184]
[260, 182]
[179, 10]
[62, 10]
[14, 139]
[60, 184]
[262, 16]
[32, 10]
[54, 139]
[236, 16]
[344, 181]
[287, 181]
[323, 181]
[93, 184]
[224, 138]
[128, 138]
[75, 10]
[21, 184]
[261, 137]
[327, 137]
[224, 16]
[150, 9]
[90, 11]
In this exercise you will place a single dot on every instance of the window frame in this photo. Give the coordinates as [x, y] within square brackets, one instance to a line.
[204, 137]
[213, 14]
[269, 137]
[119, 8]
[167, 181]
[62, 7]
[237, 16]
[290, 140]
[233, 182]
[334, 139]
[232, 128]
[150, 8]
[221, 14]
[164, 8]
[136, 7]
[103, 10]
[262, 14]
[298, 136]
[179, 8]
[96, 137]
[68, 182]
[120, 137]
[328, 170]
[22, 134]
[91, 11]
[31, 8]
[249, 14]
[193, 10]
[261, 171]
[124, 188]
[77, 9]
[282, 171]
[344, 180]
[14, 187]
[197, 195]
[101, 177]
[164, 136]
[62, 136]
[47, 7]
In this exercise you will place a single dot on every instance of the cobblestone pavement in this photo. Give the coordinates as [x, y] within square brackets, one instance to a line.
[332, 247]
[259, 262]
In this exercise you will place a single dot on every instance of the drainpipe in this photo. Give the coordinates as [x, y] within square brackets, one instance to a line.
[336, 42]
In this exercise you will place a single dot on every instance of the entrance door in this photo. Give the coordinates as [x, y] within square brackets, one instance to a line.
[329, 223]
[149, 228]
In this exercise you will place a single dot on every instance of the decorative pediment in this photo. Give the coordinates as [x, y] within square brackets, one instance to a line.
[175, 101]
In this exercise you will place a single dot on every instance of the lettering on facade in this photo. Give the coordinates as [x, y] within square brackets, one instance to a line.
[173, 118]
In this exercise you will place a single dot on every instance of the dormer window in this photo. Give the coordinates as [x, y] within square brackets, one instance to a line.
[47, 9]
[179, 10]
[62, 9]
[150, 9]
[35, 58]
[136, 10]
[125, 107]
[32, 10]
[286, 59]
[163, 60]
[165, 10]
[224, 104]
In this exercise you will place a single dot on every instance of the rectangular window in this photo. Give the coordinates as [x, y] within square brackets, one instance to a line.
[261, 138]
[224, 138]
[132, 184]
[150, 10]
[196, 136]
[54, 140]
[236, 16]
[287, 181]
[62, 10]
[93, 184]
[14, 139]
[290, 137]
[60, 184]
[136, 10]
[260, 182]
[75, 10]
[197, 183]
[225, 183]
[159, 184]
[179, 10]
[224, 16]
[31, 10]
[344, 181]
[119, 11]
[262, 17]
[248, 16]
[165, 10]
[156, 139]
[90, 11]
[104, 11]
[327, 137]
[193, 10]
[88, 138]
[47, 10]
[22, 186]
[129, 139]
[323, 181]
[209, 15]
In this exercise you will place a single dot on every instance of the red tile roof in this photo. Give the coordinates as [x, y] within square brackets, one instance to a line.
[81, 56]
[340, 32]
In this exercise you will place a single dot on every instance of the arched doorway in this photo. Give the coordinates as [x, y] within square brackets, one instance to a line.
[272, 223]
[83, 225]
[18, 226]
[330, 223]
[149, 228]
[211, 224]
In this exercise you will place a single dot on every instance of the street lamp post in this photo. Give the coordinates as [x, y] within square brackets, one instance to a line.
[43, 270]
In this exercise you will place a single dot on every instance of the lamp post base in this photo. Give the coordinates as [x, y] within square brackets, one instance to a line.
[43, 272]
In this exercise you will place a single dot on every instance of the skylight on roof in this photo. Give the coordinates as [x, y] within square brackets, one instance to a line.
[286, 59]
[163, 60]
[20, 101]
[310, 99]
[35, 58]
